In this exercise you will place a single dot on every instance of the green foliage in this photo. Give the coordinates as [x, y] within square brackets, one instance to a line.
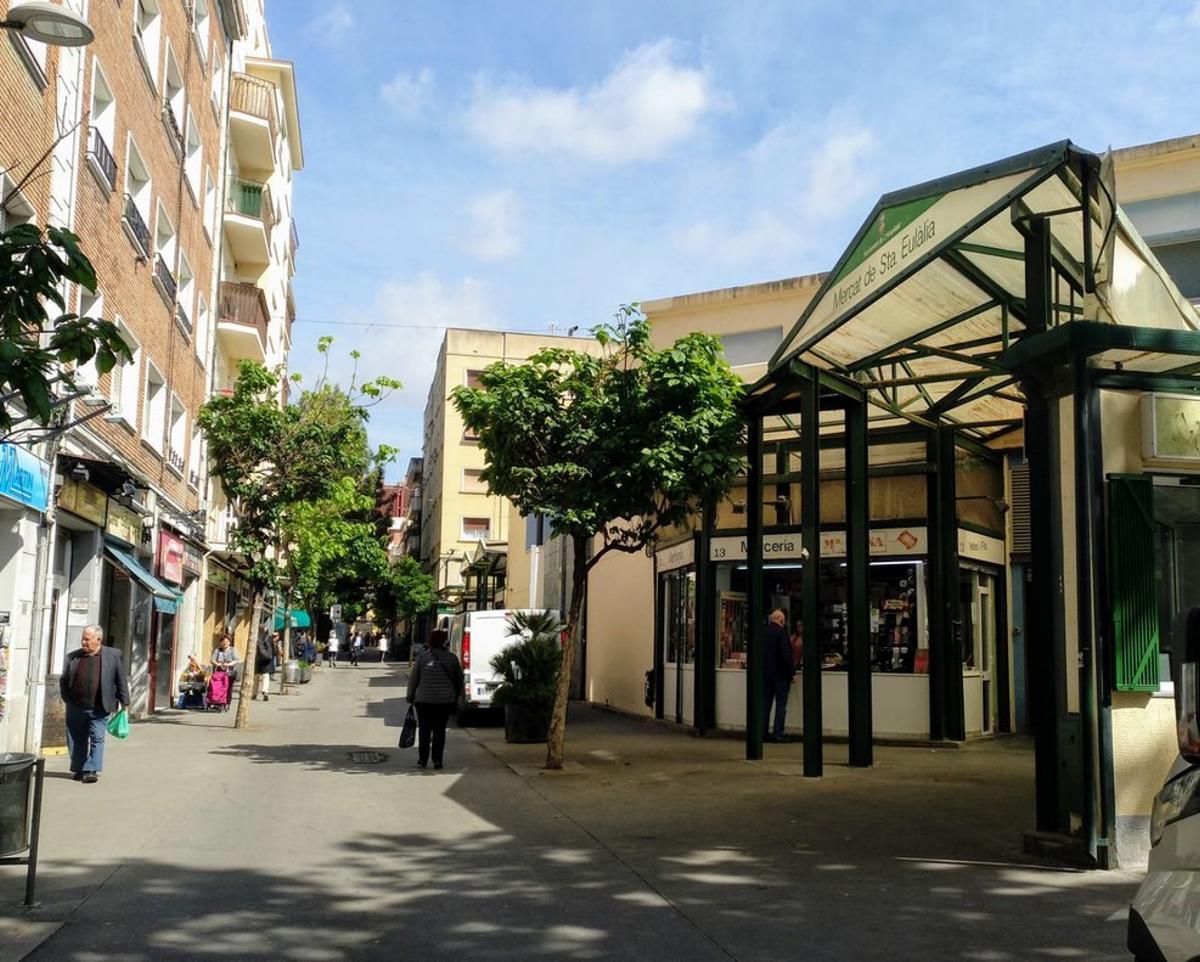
[406, 590]
[34, 270]
[529, 667]
[623, 443]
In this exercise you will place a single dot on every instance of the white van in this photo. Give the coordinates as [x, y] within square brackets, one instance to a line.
[476, 637]
[1164, 920]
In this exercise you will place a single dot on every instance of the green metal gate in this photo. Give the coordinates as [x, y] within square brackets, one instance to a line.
[1132, 582]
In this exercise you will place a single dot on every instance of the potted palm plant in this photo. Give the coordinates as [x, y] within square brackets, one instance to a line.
[528, 669]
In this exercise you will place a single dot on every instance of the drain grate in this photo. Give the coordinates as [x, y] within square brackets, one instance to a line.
[368, 758]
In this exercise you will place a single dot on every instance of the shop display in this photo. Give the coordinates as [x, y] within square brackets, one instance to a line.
[731, 629]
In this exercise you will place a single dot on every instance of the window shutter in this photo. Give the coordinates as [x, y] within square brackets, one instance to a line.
[1132, 588]
[1021, 536]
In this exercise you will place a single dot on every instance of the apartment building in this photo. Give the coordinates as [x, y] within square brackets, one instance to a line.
[461, 524]
[255, 305]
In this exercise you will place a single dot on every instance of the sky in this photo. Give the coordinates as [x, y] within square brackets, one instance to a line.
[533, 165]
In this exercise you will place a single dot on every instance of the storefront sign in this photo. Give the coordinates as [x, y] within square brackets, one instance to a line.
[170, 557]
[980, 547]
[1170, 427]
[83, 499]
[676, 556]
[123, 523]
[24, 477]
[193, 560]
[903, 542]
[218, 577]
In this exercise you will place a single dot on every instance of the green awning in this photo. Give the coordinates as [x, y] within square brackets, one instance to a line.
[166, 598]
[298, 619]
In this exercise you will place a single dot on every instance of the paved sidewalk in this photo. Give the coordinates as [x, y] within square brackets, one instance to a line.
[280, 842]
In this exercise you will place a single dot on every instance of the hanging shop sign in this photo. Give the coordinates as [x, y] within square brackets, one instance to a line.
[676, 556]
[787, 547]
[980, 547]
[24, 477]
[83, 499]
[1170, 427]
[170, 557]
[218, 577]
[193, 560]
[123, 523]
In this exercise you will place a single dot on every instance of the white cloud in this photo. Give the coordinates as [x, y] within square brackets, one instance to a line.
[493, 230]
[762, 235]
[646, 106]
[408, 94]
[1194, 17]
[837, 175]
[334, 25]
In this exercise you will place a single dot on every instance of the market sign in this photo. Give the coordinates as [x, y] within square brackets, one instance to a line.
[676, 556]
[193, 560]
[980, 547]
[901, 542]
[83, 499]
[170, 557]
[1170, 427]
[24, 477]
[123, 523]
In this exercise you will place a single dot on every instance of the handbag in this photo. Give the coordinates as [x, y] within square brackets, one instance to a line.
[118, 725]
[408, 731]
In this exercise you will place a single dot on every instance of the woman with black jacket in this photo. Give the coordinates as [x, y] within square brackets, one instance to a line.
[434, 687]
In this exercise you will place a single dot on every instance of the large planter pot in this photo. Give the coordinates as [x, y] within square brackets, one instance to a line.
[523, 724]
[305, 674]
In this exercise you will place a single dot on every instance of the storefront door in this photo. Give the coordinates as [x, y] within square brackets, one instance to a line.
[977, 631]
[677, 598]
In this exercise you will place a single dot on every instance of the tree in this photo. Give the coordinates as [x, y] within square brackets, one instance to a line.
[271, 459]
[616, 446]
[34, 346]
[405, 590]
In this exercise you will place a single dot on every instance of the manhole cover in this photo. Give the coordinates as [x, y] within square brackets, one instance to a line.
[368, 758]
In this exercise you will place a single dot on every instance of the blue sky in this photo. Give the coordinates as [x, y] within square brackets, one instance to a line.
[513, 165]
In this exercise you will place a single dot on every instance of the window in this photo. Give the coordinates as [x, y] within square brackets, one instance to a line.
[471, 379]
[137, 199]
[218, 86]
[173, 101]
[164, 255]
[33, 55]
[535, 530]
[472, 483]
[476, 529]
[751, 347]
[123, 382]
[200, 19]
[86, 376]
[14, 208]
[192, 164]
[210, 206]
[155, 407]
[200, 330]
[147, 36]
[186, 297]
[177, 436]
[103, 130]
[195, 457]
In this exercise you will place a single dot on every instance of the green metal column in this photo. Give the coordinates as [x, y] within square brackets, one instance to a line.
[704, 691]
[934, 591]
[756, 593]
[858, 600]
[810, 539]
[946, 719]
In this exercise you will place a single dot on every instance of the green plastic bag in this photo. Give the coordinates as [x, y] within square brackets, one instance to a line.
[118, 725]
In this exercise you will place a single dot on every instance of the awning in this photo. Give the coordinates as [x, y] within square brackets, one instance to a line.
[488, 559]
[298, 619]
[926, 309]
[166, 599]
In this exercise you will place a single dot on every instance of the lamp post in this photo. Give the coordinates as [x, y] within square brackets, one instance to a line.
[48, 23]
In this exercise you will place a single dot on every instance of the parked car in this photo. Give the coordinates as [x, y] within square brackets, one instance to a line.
[476, 637]
[1164, 920]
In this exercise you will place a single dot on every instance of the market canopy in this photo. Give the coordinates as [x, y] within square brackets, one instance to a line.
[295, 619]
[927, 308]
[166, 599]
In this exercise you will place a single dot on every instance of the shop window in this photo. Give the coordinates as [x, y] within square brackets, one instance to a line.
[472, 481]
[123, 381]
[677, 596]
[476, 529]
[103, 124]
[155, 405]
[147, 36]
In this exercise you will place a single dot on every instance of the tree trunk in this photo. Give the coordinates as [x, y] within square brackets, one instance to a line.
[246, 691]
[558, 720]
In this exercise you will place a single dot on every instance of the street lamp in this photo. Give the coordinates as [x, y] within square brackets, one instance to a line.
[48, 23]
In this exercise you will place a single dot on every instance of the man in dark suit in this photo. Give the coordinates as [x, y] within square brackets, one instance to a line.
[93, 686]
[778, 671]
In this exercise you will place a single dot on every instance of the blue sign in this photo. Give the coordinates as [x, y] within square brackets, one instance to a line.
[24, 477]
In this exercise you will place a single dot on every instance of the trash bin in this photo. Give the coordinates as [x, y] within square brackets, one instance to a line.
[291, 672]
[16, 772]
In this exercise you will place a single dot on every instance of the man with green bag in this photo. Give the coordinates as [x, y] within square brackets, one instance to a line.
[93, 686]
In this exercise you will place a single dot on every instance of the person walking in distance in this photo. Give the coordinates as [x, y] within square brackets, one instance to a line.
[93, 686]
[264, 665]
[778, 671]
[434, 687]
[356, 648]
[332, 650]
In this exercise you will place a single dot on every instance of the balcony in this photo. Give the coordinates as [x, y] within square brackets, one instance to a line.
[249, 217]
[164, 280]
[175, 460]
[135, 227]
[194, 478]
[253, 121]
[242, 322]
[171, 122]
[101, 160]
